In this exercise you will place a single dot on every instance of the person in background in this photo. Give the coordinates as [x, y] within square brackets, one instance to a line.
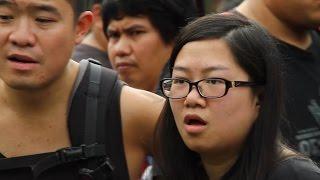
[221, 120]
[141, 34]
[226, 5]
[293, 24]
[95, 44]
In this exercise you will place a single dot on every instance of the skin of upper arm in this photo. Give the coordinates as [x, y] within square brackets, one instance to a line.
[140, 111]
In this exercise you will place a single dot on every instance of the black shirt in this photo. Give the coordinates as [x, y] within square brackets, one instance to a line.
[83, 51]
[295, 169]
[302, 96]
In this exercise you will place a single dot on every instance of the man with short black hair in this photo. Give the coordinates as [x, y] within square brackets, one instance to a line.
[141, 35]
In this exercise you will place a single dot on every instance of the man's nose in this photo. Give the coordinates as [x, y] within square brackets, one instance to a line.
[22, 35]
[122, 47]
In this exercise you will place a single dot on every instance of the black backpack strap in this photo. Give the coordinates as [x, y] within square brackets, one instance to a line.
[93, 116]
[98, 103]
[114, 135]
[67, 155]
[90, 104]
[20, 162]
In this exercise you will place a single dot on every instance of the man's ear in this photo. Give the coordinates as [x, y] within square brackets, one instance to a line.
[96, 11]
[83, 25]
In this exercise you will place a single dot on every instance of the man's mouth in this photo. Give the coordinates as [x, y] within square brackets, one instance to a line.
[124, 66]
[21, 59]
[22, 63]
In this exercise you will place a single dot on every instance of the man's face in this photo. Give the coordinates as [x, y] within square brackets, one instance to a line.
[298, 13]
[137, 51]
[36, 41]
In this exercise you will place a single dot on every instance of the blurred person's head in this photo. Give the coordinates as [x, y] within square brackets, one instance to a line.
[96, 36]
[226, 5]
[289, 21]
[224, 102]
[36, 40]
[78, 6]
[296, 13]
[141, 34]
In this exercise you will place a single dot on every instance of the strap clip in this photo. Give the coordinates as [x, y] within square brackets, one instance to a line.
[71, 154]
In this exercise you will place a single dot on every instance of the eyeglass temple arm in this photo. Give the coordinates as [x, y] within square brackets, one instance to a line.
[243, 83]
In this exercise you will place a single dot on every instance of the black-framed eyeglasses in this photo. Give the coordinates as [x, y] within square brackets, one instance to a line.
[177, 88]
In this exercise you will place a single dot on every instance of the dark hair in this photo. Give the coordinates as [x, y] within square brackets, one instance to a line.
[257, 54]
[92, 2]
[167, 16]
[96, 1]
[79, 6]
[226, 5]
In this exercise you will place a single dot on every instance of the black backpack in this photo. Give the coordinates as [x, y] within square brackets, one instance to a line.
[90, 158]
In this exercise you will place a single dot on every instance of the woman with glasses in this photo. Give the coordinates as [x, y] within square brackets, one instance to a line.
[225, 106]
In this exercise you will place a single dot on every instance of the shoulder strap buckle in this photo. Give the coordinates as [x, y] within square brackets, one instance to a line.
[71, 154]
[104, 171]
[94, 61]
[66, 155]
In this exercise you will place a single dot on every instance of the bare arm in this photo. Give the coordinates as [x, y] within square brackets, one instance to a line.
[140, 111]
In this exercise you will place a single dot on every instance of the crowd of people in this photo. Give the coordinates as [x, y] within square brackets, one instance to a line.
[90, 88]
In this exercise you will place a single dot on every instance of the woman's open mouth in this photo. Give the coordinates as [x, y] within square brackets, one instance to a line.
[194, 124]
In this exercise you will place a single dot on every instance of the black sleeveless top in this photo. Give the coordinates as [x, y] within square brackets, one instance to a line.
[111, 127]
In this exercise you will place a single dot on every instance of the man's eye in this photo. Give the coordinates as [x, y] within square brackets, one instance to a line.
[45, 20]
[5, 18]
[112, 35]
[135, 33]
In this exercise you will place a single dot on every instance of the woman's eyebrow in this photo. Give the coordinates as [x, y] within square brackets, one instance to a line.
[205, 70]
[215, 68]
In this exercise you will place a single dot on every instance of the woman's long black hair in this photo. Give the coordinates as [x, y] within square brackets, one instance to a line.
[257, 54]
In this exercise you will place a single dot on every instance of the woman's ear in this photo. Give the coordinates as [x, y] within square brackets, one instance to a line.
[259, 97]
[83, 25]
[257, 103]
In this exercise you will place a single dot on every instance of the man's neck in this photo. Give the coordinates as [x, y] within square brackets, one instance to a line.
[37, 102]
[91, 40]
[259, 12]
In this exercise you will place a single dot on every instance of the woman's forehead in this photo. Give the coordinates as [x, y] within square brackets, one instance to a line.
[206, 54]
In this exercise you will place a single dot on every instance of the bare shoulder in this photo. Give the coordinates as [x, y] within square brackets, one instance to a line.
[134, 101]
[140, 112]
